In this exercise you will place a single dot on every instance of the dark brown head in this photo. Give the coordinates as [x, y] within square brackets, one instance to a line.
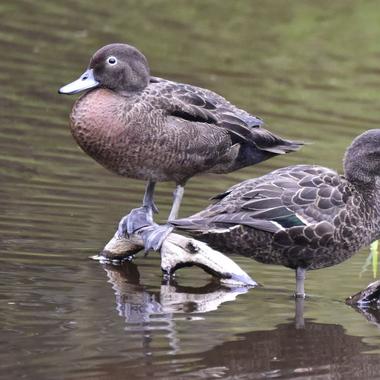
[118, 67]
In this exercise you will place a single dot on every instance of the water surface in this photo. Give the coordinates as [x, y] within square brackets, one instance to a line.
[310, 69]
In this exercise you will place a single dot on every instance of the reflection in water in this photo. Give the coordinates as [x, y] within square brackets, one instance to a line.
[138, 305]
[299, 319]
[317, 350]
[300, 348]
[372, 314]
[143, 309]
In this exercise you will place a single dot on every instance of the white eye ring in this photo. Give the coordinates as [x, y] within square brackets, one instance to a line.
[112, 60]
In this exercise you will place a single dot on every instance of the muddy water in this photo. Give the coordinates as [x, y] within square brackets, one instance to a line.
[310, 69]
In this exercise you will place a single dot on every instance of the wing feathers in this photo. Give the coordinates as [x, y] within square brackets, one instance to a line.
[200, 105]
[278, 201]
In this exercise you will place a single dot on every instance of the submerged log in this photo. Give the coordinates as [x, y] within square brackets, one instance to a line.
[178, 251]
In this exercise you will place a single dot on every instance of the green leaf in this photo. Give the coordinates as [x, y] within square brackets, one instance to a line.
[374, 254]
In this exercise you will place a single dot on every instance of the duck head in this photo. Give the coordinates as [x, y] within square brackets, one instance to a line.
[362, 159]
[118, 67]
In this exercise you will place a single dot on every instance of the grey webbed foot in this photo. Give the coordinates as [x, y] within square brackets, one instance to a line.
[154, 236]
[136, 219]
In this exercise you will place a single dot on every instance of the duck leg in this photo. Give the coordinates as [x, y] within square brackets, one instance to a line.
[148, 200]
[300, 282]
[154, 237]
[177, 195]
[142, 216]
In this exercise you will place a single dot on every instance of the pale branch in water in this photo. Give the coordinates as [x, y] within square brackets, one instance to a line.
[178, 251]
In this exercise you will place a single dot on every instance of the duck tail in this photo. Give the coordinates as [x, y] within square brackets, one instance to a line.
[269, 142]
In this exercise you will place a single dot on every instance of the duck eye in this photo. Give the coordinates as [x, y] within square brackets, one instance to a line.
[112, 60]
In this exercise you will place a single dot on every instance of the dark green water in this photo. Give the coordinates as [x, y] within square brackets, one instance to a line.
[311, 69]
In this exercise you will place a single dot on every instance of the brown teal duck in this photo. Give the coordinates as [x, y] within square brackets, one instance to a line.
[303, 217]
[153, 129]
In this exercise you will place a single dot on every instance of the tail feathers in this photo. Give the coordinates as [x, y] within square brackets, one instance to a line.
[268, 141]
[288, 147]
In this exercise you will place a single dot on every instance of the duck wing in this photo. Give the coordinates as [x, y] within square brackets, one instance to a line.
[196, 104]
[301, 195]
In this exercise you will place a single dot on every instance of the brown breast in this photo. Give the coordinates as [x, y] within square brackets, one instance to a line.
[112, 130]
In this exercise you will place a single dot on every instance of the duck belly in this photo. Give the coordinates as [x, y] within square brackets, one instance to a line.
[263, 247]
[131, 154]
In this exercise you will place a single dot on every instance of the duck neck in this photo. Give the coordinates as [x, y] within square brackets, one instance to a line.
[369, 194]
[361, 172]
[360, 169]
[358, 174]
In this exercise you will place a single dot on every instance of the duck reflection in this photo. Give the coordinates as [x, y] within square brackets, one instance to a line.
[300, 348]
[137, 304]
[316, 351]
[146, 311]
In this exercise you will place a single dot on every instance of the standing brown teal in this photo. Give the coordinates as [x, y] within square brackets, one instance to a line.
[153, 129]
[303, 217]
